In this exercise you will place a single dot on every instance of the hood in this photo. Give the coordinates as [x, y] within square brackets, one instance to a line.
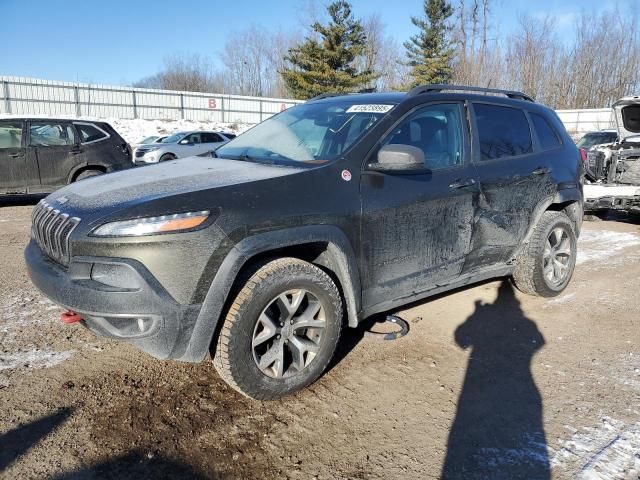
[627, 113]
[142, 184]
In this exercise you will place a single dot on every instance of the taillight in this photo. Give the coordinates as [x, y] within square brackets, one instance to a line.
[583, 155]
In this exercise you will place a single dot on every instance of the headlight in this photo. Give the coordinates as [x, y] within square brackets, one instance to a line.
[150, 149]
[152, 225]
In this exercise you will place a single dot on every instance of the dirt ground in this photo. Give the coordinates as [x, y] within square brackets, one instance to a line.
[489, 383]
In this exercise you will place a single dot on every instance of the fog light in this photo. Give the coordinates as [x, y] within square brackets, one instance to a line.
[128, 327]
[118, 275]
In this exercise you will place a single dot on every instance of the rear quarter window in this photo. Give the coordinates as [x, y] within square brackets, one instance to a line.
[547, 135]
[90, 133]
[502, 131]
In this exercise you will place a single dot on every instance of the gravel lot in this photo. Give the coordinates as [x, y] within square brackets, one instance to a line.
[489, 383]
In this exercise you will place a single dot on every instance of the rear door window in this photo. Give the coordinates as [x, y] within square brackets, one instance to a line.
[547, 135]
[90, 133]
[51, 134]
[208, 137]
[10, 134]
[502, 131]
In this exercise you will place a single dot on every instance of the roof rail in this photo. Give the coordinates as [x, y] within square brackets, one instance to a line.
[437, 87]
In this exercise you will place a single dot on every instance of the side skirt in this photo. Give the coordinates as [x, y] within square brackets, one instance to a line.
[468, 279]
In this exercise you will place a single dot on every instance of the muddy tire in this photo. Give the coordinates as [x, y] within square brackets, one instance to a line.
[545, 266]
[281, 330]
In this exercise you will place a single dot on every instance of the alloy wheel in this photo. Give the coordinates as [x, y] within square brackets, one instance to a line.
[557, 257]
[288, 333]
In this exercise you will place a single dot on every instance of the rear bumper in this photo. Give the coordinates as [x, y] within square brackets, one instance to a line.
[145, 316]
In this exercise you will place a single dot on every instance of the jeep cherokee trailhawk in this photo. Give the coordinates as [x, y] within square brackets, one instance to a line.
[329, 212]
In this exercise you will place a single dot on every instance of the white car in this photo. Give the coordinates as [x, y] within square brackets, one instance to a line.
[179, 145]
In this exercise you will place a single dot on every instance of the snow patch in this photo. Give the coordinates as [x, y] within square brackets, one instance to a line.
[596, 246]
[609, 451]
[533, 452]
[135, 130]
[35, 358]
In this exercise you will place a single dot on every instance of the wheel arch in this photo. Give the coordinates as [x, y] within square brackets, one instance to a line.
[568, 201]
[83, 168]
[325, 246]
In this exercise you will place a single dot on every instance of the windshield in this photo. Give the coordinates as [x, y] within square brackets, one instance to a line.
[175, 138]
[306, 133]
[592, 139]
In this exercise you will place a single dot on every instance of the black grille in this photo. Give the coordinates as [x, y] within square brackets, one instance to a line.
[51, 230]
[140, 153]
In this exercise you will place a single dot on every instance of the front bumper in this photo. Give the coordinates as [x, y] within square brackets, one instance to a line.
[612, 197]
[147, 159]
[145, 316]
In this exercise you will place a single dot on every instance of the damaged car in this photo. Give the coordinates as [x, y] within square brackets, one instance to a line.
[612, 171]
[317, 218]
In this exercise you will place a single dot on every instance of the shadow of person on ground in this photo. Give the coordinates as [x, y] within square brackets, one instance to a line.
[137, 466]
[18, 441]
[498, 432]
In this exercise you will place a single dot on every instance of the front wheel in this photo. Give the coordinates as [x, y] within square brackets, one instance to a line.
[167, 156]
[281, 331]
[545, 266]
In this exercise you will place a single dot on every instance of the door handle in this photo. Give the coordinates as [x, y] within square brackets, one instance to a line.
[469, 182]
[16, 155]
[75, 151]
[540, 171]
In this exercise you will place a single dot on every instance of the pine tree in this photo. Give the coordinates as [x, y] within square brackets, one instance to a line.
[430, 53]
[326, 65]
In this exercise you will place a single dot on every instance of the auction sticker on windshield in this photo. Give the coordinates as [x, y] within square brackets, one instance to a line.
[369, 108]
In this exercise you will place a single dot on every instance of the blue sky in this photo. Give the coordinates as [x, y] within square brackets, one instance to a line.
[119, 42]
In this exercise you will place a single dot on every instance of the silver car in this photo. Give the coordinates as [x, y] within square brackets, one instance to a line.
[179, 145]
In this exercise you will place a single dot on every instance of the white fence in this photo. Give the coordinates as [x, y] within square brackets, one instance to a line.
[582, 121]
[30, 96]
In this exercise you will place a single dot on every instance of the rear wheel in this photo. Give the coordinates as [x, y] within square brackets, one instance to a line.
[281, 331]
[88, 173]
[544, 268]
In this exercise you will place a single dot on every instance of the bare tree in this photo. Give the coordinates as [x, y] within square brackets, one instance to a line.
[181, 71]
[383, 55]
[253, 59]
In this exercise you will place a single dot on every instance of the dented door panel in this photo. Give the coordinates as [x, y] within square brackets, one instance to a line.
[511, 186]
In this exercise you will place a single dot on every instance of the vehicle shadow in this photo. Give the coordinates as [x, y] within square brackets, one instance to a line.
[18, 441]
[498, 432]
[20, 200]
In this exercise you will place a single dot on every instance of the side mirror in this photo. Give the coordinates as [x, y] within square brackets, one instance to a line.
[398, 158]
[184, 141]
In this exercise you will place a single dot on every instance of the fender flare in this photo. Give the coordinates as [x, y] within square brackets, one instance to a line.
[339, 251]
[562, 196]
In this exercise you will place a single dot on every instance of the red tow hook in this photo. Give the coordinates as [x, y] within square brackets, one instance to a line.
[70, 317]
